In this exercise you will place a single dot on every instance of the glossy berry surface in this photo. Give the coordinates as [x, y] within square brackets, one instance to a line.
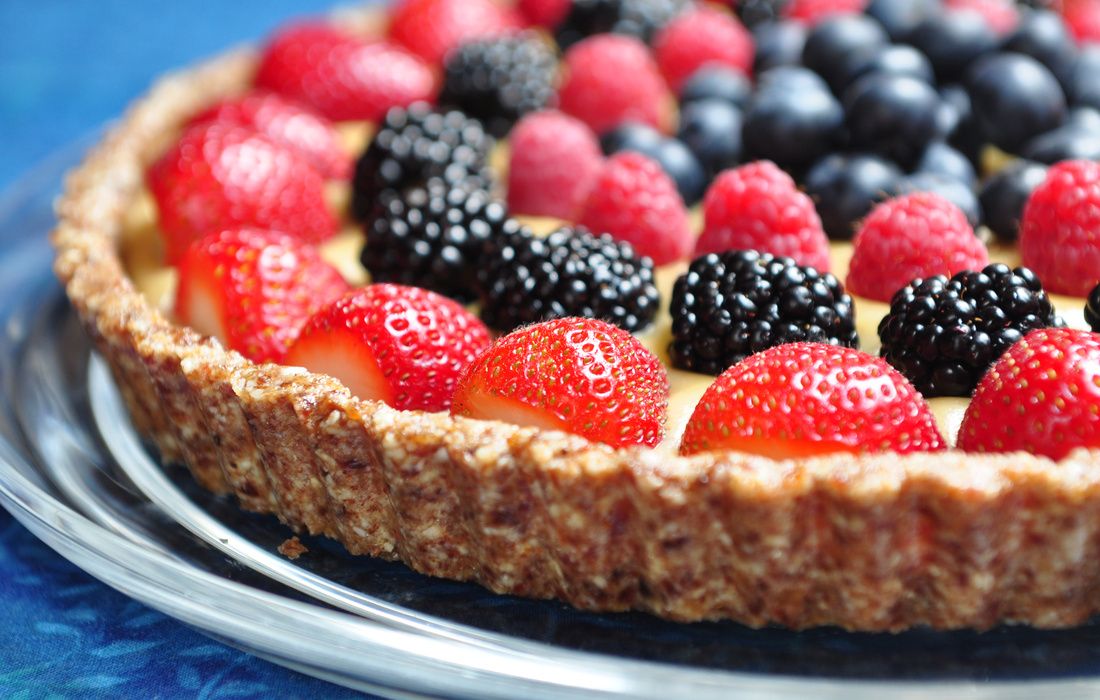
[1004, 195]
[673, 155]
[837, 42]
[778, 43]
[1041, 397]
[952, 41]
[553, 160]
[943, 160]
[845, 187]
[900, 17]
[956, 191]
[577, 375]
[943, 334]
[717, 83]
[807, 399]
[791, 122]
[1015, 98]
[758, 207]
[711, 129]
[640, 19]
[1071, 141]
[405, 346]
[570, 272]
[730, 305]
[892, 115]
[889, 60]
[1043, 35]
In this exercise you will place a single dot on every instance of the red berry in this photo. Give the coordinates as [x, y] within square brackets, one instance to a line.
[1042, 396]
[635, 201]
[431, 28]
[406, 346]
[611, 79]
[341, 76]
[289, 124]
[1083, 18]
[813, 11]
[545, 13]
[1060, 228]
[573, 374]
[219, 175]
[803, 399]
[758, 207]
[253, 289]
[703, 36]
[554, 160]
[1001, 15]
[917, 235]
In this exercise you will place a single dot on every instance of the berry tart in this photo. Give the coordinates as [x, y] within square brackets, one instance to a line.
[778, 312]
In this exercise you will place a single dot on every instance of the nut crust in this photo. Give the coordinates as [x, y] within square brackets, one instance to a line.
[881, 542]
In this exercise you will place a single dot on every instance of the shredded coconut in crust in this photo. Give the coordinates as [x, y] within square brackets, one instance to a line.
[878, 542]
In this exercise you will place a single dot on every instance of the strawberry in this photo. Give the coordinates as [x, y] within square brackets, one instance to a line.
[431, 28]
[253, 289]
[287, 123]
[573, 374]
[1042, 396]
[806, 399]
[387, 342]
[341, 76]
[219, 175]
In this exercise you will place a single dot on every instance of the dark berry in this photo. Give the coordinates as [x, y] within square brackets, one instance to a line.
[433, 237]
[1068, 142]
[953, 40]
[1092, 309]
[712, 130]
[499, 80]
[956, 123]
[1015, 98]
[891, 60]
[837, 42]
[414, 146]
[1083, 82]
[631, 136]
[900, 17]
[893, 115]
[944, 334]
[1086, 118]
[717, 83]
[1044, 36]
[791, 122]
[571, 272]
[730, 305]
[1004, 195]
[955, 191]
[943, 160]
[674, 157]
[755, 12]
[637, 18]
[845, 187]
[778, 44]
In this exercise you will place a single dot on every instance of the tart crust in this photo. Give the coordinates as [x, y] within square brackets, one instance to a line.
[874, 542]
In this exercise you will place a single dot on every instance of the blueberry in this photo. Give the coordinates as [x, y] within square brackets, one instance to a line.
[718, 82]
[835, 43]
[958, 193]
[631, 136]
[1083, 83]
[900, 17]
[755, 12]
[893, 115]
[1044, 36]
[1004, 195]
[956, 122]
[952, 41]
[845, 187]
[1068, 142]
[892, 60]
[790, 121]
[1015, 98]
[672, 155]
[778, 44]
[941, 159]
[712, 130]
[1085, 118]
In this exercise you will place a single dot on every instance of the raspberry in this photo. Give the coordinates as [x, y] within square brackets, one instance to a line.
[1059, 227]
[1001, 15]
[612, 79]
[1083, 18]
[545, 13]
[915, 236]
[555, 158]
[431, 28]
[635, 201]
[758, 207]
[704, 36]
[813, 11]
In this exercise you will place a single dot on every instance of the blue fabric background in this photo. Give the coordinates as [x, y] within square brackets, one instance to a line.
[66, 68]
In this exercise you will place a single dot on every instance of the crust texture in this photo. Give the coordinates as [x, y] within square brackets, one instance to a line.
[881, 542]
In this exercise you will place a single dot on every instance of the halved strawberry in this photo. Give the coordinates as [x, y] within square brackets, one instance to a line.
[402, 345]
[573, 374]
[288, 123]
[1042, 396]
[808, 399]
[341, 76]
[253, 289]
[220, 175]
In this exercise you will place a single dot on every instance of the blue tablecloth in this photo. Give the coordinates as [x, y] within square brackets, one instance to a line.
[66, 68]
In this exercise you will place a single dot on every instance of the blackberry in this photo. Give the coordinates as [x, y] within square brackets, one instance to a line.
[638, 18]
[571, 272]
[730, 305]
[944, 334]
[415, 145]
[1092, 309]
[499, 80]
[432, 237]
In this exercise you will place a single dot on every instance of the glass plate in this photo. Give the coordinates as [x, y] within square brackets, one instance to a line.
[73, 471]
